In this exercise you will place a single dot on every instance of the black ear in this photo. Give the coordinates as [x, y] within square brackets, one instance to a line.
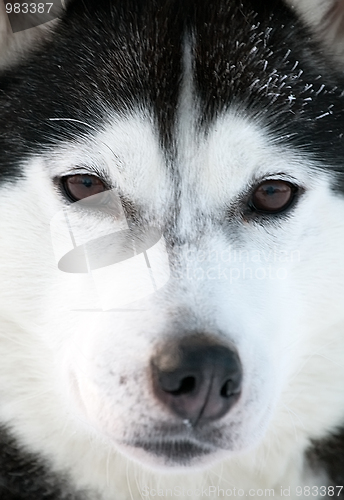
[326, 20]
[21, 31]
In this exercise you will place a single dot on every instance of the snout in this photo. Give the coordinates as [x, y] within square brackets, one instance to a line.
[197, 379]
[178, 401]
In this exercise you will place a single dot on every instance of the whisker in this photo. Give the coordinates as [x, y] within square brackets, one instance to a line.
[128, 481]
[72, 120]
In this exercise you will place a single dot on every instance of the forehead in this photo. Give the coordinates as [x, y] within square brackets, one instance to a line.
[184, 65]
[227, 53]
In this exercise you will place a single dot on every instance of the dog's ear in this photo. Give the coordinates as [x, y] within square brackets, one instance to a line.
[326, 20]
[21, 31]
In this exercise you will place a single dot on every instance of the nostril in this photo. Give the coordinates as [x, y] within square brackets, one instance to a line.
[187, 385]
[228, 389]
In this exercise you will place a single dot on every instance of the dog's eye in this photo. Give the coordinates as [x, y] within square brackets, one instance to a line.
[272, 196]
[80, 186]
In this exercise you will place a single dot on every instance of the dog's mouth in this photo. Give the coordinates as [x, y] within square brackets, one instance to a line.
[176, 451]
[178, 445]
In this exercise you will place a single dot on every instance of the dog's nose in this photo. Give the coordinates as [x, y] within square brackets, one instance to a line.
[197, 380]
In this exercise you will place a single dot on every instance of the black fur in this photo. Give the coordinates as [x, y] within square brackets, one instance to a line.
[106, 56]
[328, 454]
[23, 476]
[265, 63]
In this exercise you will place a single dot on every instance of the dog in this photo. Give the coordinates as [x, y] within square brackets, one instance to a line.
[172, 276]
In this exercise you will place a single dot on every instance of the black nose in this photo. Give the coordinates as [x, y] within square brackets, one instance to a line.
[197, 379]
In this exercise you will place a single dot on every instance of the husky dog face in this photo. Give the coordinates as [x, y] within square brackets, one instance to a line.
[172, 212]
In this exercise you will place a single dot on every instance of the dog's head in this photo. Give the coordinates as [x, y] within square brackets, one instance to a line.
[172, 217]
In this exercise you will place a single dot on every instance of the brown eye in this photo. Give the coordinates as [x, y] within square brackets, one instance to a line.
[81, 186]
[272, 196]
